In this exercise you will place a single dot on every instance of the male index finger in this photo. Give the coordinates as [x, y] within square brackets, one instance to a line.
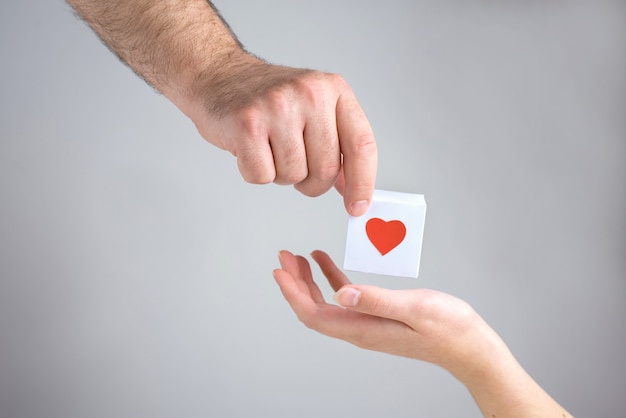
[360, 155]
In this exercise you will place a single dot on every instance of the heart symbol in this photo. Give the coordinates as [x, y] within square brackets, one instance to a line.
[385, 235]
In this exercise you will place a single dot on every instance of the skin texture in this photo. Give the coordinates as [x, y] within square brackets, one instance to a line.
[285, 125]
[306, 128]
[421, 324]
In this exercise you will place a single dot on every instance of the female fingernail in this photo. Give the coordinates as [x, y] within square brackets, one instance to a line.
[348, 297]
[359, 208]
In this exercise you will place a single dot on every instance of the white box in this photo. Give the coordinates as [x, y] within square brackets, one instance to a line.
[387, 239]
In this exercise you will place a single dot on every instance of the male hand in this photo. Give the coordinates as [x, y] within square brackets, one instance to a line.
[289, 126]
[285, 125]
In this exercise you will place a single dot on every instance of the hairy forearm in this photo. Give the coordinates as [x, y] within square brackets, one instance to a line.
[169, 43]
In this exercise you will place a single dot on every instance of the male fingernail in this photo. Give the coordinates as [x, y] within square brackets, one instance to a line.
[348, 297]
[359, 208]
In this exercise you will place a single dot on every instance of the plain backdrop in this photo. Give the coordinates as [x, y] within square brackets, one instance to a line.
[135, 263]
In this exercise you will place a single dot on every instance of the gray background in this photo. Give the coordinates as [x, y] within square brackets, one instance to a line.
[135, 264]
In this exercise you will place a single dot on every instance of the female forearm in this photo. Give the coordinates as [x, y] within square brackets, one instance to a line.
[502, 388]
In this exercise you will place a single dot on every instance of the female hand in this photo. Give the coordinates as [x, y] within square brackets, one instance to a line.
[421, 324]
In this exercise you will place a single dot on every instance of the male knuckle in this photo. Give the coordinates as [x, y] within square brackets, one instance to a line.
[314, 90]
[318, 89]
[329, 172]
[338, 80]
[249, 121]
[253, 171]
[291, 151]
[308, 189]
[293, 169]
[292, 177]
[280, 102]
[258, 177]
[365, 144]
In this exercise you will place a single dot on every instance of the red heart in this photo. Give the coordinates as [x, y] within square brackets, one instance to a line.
[385, 235]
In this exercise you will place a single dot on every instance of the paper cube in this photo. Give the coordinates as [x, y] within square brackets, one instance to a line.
[387, 239]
